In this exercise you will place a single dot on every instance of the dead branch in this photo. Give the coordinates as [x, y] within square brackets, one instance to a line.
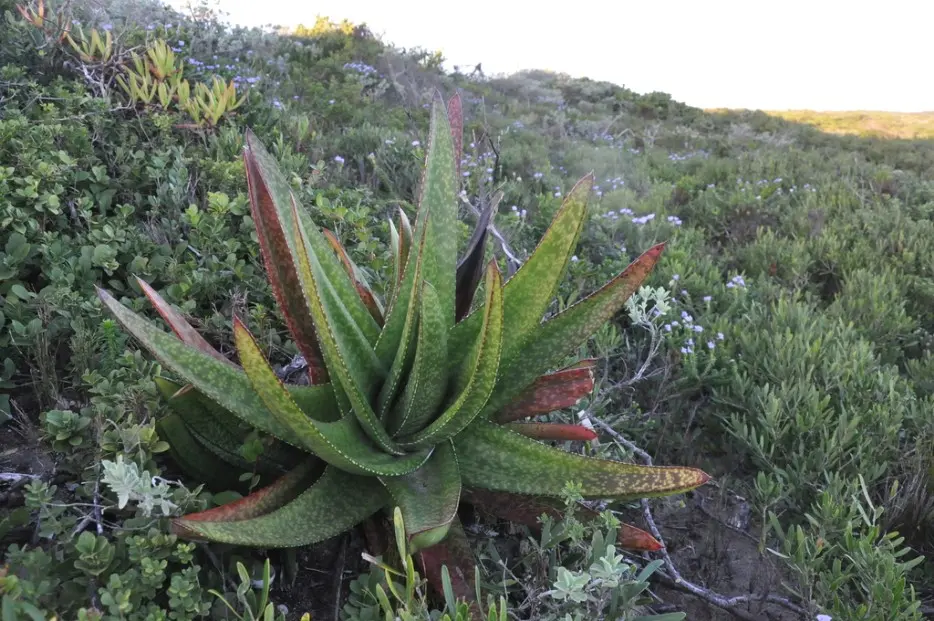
[671, 573]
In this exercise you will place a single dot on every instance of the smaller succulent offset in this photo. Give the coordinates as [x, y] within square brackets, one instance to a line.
[413, 404]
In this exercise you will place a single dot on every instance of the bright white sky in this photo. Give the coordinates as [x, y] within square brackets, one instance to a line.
[768, 54]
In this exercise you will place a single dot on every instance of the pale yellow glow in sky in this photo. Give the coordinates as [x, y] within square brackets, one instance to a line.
[816, 54]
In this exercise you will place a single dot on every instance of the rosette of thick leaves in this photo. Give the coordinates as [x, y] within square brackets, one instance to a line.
[414, 403]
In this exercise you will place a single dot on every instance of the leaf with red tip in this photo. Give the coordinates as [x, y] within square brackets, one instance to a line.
[527, 510]
[454, 553]
[266, 188]
[334, 503]
[554, 391]
[363, 288]
[492, 457]
[556, 338]
[283, 491]
[632, 538]
[182, 329]
[553, 431]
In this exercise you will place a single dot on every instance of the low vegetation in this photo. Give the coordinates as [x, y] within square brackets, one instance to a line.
[311, 221]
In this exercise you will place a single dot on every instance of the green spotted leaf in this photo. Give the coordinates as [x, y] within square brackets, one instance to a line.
[225, 385]
[268, 499]
[351, 360]
[276, 208]
[492, 457]
[561, 335]
[428, 497]
[334, 503]
[342, 444]
[405, 353]
[198, 462]
[531, 290]
[427, 382]
[479, 375]
[436, 223]
[182, 329]
[269, 198]
[219, 437]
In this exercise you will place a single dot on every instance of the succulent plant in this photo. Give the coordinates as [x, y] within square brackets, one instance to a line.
[413, 404]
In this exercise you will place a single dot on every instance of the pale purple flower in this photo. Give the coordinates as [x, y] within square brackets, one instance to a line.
[707, 298]
[339, 159]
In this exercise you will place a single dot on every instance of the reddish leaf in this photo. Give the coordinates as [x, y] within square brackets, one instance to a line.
[551, 392]
[455, 553]
[553, 431]
[278, 494]
[366, 294]
[277, 255]
[632, 538]
[182, 329]
[526, 510]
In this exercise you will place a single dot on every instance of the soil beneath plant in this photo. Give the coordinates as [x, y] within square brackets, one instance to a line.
[714, 546]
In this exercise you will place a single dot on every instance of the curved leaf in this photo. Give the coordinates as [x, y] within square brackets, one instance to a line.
[495, 458]
[266, 500]
[553, 431]
[455, 554]
[554, 391]
[363, 288]
[563, 333]
[223, 440]
[428, 497]
[225, 385]
[347, 353]
[530, 291]
[197, 461]
[342, 443]
[334, 503]
[470, 267]
[182, 329]
[436, 224]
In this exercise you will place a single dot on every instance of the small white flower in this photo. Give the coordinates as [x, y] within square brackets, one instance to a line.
[824, 618]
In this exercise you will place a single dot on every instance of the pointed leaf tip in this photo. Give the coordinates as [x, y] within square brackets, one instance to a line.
[554, 431]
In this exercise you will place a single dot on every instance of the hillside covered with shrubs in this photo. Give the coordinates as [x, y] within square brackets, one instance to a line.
[781, 344]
